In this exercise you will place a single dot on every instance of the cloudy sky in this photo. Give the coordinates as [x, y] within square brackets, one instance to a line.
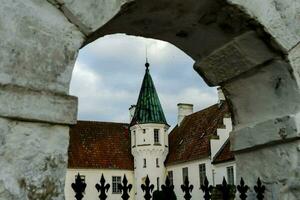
[108, 75]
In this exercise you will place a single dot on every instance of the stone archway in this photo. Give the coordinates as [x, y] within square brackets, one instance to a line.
[250, 48]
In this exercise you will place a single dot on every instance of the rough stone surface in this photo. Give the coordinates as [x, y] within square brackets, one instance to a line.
[27, 104]
[279, 130]
[277, 166]
[268, 93]
[281, 18]
[294, 59]
[31, 154]
[236, 57]
[99, 12]
[38, 45]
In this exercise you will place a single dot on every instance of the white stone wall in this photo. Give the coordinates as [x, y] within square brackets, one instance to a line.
[220, 171]
[194, 177]
[143, 147]
[92, 177]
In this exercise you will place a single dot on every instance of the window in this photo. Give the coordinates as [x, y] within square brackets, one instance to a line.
[202, 173]
[185, 173]
[145, 163]
[144, 130]
[134, 138]
[230, 175]
[156, 136]
[170, 175]
[116, 180]
[157, 182]
[157, 162]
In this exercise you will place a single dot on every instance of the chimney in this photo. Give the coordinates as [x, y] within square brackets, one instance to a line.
[221, 95]
[131, 112]
[184, 109]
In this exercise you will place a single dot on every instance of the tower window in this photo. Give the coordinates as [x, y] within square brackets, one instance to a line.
[157, 162]
[230, 175]
[185, 173]
[170, 175]
[156, 136]
[145, 163]
[116, 180]
[134, 138]
[202, 173]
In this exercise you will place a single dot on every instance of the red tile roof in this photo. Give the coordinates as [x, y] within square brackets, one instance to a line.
[100, 145]
[224, 154]
[191, 140]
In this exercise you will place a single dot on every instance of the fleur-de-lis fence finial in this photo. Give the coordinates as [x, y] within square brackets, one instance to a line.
[187, 189]
[147, 188]
[225, 189]
[125, 188]
[168, 190]
[102, 188]
[259, 189]
[242, 188]
[79, 187]
[207, 189]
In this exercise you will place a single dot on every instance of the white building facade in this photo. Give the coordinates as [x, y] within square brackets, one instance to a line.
[197, 147]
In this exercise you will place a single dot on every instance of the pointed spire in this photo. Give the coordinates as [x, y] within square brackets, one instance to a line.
[148, 107]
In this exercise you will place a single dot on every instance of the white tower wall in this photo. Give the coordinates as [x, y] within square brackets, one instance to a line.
[144, 147]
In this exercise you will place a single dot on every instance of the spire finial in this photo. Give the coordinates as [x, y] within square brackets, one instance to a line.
[147, 63]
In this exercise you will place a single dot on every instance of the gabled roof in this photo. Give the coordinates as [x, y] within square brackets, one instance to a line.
[224, 154]
[148, 108]
[100, 145]
[191, 140]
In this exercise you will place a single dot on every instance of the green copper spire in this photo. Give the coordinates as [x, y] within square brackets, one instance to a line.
[148, 108]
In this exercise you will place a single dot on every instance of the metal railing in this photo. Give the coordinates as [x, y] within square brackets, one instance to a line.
[223, 191]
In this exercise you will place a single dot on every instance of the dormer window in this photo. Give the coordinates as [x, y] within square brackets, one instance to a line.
[156, 136]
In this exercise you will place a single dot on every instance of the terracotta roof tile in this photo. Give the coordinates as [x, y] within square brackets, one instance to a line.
[191, 140]
[224, 154]
[100, 145]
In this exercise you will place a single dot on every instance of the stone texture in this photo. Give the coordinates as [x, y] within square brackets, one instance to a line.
[238, 56]
[26, 104]
[265, 94]
[38, 46]
[99, 12]
[33, 160]
[279, 17]
[279, 130]
[277, 166]
[294, 59]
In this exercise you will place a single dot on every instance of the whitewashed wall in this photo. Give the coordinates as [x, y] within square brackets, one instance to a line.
[144, 147]
[194, 177]
[223, 133]
[92, 177]
[221, 171]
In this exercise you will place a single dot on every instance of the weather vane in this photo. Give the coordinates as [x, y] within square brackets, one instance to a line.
[147, 64]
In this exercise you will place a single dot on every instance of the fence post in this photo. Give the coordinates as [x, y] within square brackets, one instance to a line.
[125, 188]
[259, 189]
[187, 188]
[207, 189]
[147, 188]
[102, 188]
[168, 190]
[242, 188]
[79, 187]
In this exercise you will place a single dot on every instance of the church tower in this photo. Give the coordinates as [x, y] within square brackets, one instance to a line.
[149, 137]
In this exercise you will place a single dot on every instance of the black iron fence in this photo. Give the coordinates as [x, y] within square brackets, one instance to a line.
[223, 191]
